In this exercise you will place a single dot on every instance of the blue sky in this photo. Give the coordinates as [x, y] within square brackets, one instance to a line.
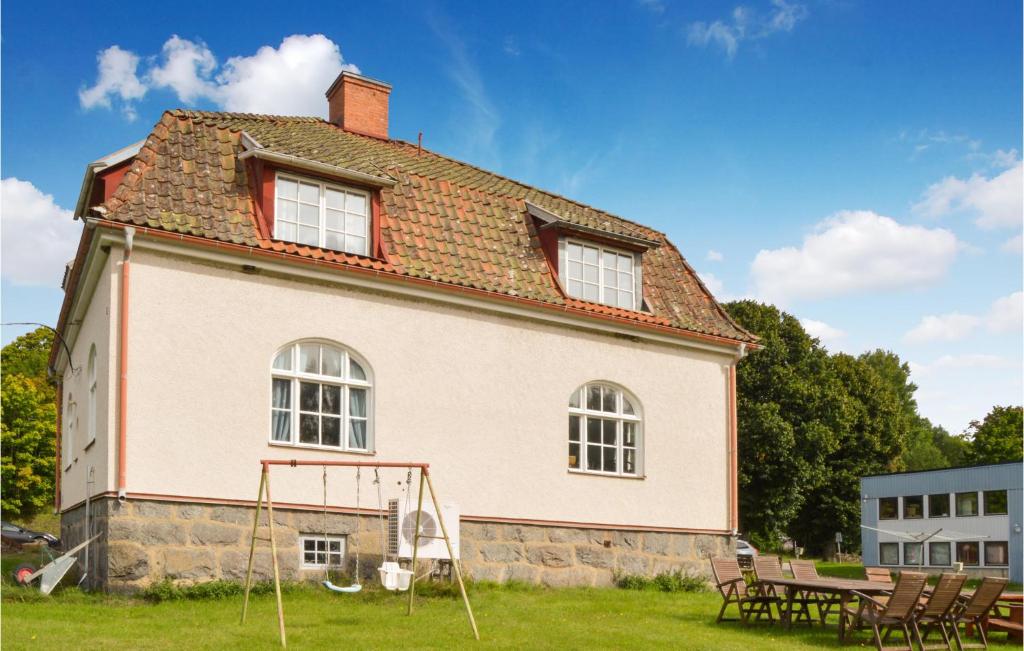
[856, 163]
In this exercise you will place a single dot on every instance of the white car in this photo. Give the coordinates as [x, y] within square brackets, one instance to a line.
[743, 548]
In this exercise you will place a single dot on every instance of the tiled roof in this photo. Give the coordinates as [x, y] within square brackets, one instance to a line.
[442, 220]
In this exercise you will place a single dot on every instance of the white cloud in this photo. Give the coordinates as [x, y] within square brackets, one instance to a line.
[822, 330]
[39, 237]
[714, 256]
[944, 327]
[185, 68]
[994, 202]
[116, 77]
[713, 283]
[745, 24]
[1006, 314]
[948, 363]
[287, 80]
[854, 251]
[1014, 244]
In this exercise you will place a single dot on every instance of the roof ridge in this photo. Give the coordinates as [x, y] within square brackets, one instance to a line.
[521, 184]
[213, 115]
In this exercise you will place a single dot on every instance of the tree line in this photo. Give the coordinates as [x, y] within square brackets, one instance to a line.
[812, 423]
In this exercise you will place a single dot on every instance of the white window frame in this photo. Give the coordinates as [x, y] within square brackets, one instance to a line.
[345, 382]
[90, 425]
[602, 250]
[70, 416]
[619, 417]
[323, 186]
[326, 539]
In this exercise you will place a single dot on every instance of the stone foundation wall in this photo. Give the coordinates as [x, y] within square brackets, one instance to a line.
[147, 541]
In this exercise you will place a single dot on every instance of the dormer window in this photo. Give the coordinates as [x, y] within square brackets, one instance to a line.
[601, 274]
[324, 215]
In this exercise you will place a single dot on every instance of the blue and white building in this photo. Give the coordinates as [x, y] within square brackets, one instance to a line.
[976, 511]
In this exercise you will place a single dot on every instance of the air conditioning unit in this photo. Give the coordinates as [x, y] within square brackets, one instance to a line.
[402, 530]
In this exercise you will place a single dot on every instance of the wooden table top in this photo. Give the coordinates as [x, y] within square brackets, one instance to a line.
[827, 584]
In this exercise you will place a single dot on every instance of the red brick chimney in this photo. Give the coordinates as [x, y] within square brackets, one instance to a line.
[359, 104]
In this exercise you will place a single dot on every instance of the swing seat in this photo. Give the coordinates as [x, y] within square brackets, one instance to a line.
[393, 577]
[355, 587]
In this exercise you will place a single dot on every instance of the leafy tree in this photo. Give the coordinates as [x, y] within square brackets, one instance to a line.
[28, 355]
[778, 443]
[956, 449]
[998, 438]
[28, 418]
[27, 435]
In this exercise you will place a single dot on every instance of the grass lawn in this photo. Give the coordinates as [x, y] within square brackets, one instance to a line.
[508, 617]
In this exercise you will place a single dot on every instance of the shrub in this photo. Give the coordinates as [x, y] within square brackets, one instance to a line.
[677, 581]
[167, 590]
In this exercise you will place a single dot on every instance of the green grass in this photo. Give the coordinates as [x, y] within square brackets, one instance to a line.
[515, 617]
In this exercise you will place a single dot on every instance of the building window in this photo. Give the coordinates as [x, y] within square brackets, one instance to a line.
[938, 505]
[90, 423]
[913, 553]
[888, 553]
[966, 504]
[967, 553]
[320, 397]
[601, 275]
[605, 431]
[320, 551]
[997, 553]
[888, 508]
[70, 422]
[995, 503]
[913, 507]
[321, 214]
[938, 554]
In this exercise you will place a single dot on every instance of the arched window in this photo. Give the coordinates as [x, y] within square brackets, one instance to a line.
[321, 397]
[90, 422]
[605, 431]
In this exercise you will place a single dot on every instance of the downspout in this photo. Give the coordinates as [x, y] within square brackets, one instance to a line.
[59, 444]
[734, 501]
[122, 423]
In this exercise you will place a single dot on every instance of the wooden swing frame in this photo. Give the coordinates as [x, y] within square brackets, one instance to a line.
[264, 497]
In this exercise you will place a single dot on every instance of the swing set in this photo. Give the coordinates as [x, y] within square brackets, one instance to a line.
[392, 576]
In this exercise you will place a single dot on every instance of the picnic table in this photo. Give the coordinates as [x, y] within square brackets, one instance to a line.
[1011, 621]
[841, 587]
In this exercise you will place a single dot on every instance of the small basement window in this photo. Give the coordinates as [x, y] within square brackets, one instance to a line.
[324, 215]
[601, 275]
[319, 551]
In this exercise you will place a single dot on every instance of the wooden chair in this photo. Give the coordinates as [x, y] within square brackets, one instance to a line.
[825, 601]
[877, 574]
[937, 611]
[749, 599]
[973, 609]
[768, 568]
[895, 613]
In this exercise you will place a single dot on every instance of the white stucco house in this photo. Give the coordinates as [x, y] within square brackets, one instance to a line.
[254, 286]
